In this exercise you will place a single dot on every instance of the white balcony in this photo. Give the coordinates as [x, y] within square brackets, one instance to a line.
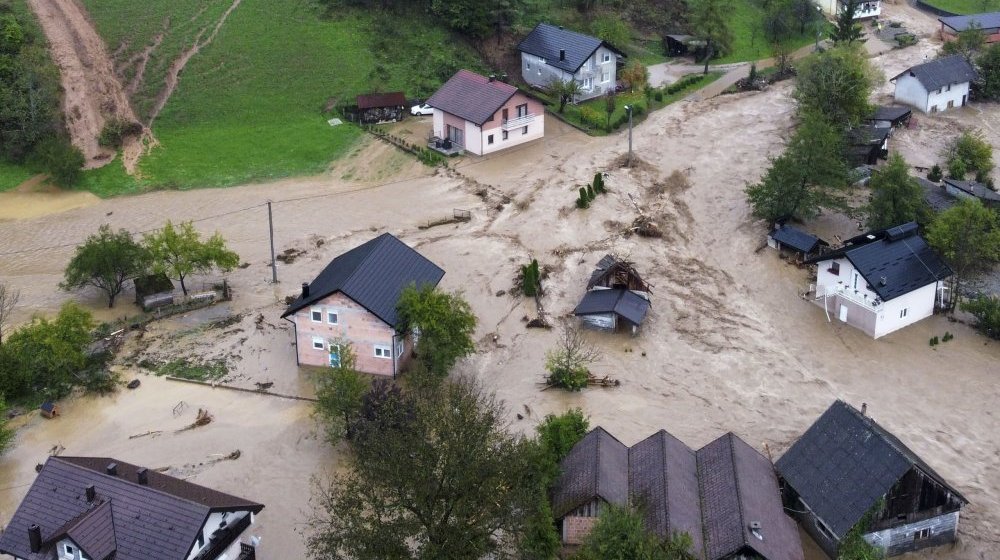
[863, 297]
[518, 122]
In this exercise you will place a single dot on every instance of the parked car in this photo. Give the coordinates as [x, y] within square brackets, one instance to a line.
[422, 110]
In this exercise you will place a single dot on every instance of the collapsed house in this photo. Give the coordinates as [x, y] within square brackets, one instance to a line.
[847, 470]
[616, 298]
[724, 496]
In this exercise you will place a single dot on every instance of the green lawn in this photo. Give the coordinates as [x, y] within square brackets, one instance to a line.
[12, 175]
[966, 6]
[249, 107]
[749, 42]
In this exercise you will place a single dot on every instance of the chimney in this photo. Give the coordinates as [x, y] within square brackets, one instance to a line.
[143, 476]
[35, 537]
[864, 409]
[562, 54]
[112, 469]
[305, 290]
[91, 493]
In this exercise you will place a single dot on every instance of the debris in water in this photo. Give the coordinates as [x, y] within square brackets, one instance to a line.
[264, 386]
[133, 384]
[153, 433]
[204, 418]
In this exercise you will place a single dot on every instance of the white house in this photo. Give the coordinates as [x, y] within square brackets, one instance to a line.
[937, 85]
[482, 115]
[97, 508]
[865, 9]
[552, 53]
[881, 281]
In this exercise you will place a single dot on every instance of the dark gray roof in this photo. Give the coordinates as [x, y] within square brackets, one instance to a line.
[712, 494]
[663, 474]
[545, 41]
[624, 303]
[890, 113]
[374, 275]
[941, 72]
[844, 463]
[894, 261]
[867, 135]
[472, 97]
[596, 467]
[739, 487]
[797, 239]
[126, 520]
[973, 188]
[936, 197]
[990, 20]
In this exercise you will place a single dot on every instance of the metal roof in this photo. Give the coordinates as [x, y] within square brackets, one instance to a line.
[941, 72]
[374, 275]
[624, 303]
[894, 261]
[844, 463]
[936, 197]
[973, 188]
[126, 520]
[374, 100]
[890, 113]
[596, 467]
[989, 20]
[546, 41]
[797, 239]
[472, 97]
[712, 494]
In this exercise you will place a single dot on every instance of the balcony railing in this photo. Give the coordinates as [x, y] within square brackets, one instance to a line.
[518, 122]
[862, 297]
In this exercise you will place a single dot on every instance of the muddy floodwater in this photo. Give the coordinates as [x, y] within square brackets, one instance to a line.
[729, 344]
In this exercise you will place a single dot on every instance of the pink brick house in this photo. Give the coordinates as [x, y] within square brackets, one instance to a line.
[354, 299]
[482, 115]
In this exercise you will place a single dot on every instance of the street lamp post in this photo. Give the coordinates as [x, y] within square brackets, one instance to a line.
[628, 162]
[819, 24]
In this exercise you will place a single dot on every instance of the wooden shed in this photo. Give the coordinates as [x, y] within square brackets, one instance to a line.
[375, 108]
[799, 244]
[153, 290]
[617, 298]
[612, 272]
[49, 409]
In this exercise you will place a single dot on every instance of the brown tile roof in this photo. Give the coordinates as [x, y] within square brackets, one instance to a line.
[472, 97]
[374, 100]
[713, 494]
[134, 521]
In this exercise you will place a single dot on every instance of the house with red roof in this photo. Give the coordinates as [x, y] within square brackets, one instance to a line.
[482, 115]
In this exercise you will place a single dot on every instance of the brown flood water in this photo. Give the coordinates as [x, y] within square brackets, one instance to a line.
[728, 346]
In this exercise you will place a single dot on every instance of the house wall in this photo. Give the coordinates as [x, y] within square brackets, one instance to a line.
[473, 138]
[919, 304]
[813, 526]
[604, 322]
[575, 529]
[355, 324]
[441, 119]
[910, 91]
[61, 551]
[865, 9]
[537, 72]
[941, 530]
[954, 94]
[212, 524]
[948, 34]
[515, 136]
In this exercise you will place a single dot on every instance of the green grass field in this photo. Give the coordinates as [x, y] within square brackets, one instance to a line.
[966, 6]
[250, 106]
[12, 175]
[749, 42]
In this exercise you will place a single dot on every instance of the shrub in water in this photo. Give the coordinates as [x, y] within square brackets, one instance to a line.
[590, 192]
[658, 96]
[599, 183]
[934, 341]
[935, 174]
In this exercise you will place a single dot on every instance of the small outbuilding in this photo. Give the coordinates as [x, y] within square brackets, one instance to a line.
[988, 22]
[616, 298]
[867, 144]
[801, 245]
[677, 45]
[49, 409]
[972, 189]
[153, 290]
[612, 272]
[890, 116]
[375, 108]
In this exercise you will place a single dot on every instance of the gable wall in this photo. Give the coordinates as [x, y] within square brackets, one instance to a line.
[911, 92]
[941, 530]
[538, 72]
[355, 324]
[940, 98]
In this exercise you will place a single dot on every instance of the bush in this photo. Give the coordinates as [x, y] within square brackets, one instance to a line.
[592, 117]
[599, 183]
[584, 200]
[61, 159]
[115, 132]
[947, 336]
[530, 278]
[986, 310]
[558, 434]
[935, 174]
[658, 96]
[983, 177]
[934, 341]
[956, 169]
[684, 82]
[590, 192]
[573, 379]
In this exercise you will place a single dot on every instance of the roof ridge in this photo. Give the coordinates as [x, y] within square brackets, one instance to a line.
[376, 243]
[706, 542]
[666, 482]
[739, 493]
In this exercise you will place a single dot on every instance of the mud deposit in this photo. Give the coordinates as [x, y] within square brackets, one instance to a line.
[728, 346]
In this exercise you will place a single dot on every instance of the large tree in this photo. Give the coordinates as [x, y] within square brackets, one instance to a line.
[968, 43]
[45, 357]
[444, 324]
[710, 22]
[974, 153]
[837, 84]
[434, 475]
[566, 90]
[846, 29]
[340, 392]
[106, 260]
[896, 197]
[968, 237]
[810, 175]
[8, 301]
[179, 252]
[988, 64]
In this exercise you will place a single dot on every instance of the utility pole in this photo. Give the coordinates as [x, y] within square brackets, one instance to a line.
[628, 162]
[270, 226]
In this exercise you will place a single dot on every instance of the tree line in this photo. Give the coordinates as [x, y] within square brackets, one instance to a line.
[31, 124]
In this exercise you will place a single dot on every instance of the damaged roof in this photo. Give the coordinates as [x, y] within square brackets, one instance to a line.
[624, 303]
[126, 520]
[374, 275]
[845, 462]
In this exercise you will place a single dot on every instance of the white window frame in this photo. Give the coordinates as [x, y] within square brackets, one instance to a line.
[312, 314]
[382, 351]
[335, 312]
[400, 347]
[69, 551]
[605, 77]
[330, 354]
[585, 84]
[607, 57]
[321, 341]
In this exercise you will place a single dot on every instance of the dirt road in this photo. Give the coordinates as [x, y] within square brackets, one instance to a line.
[92, 92]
